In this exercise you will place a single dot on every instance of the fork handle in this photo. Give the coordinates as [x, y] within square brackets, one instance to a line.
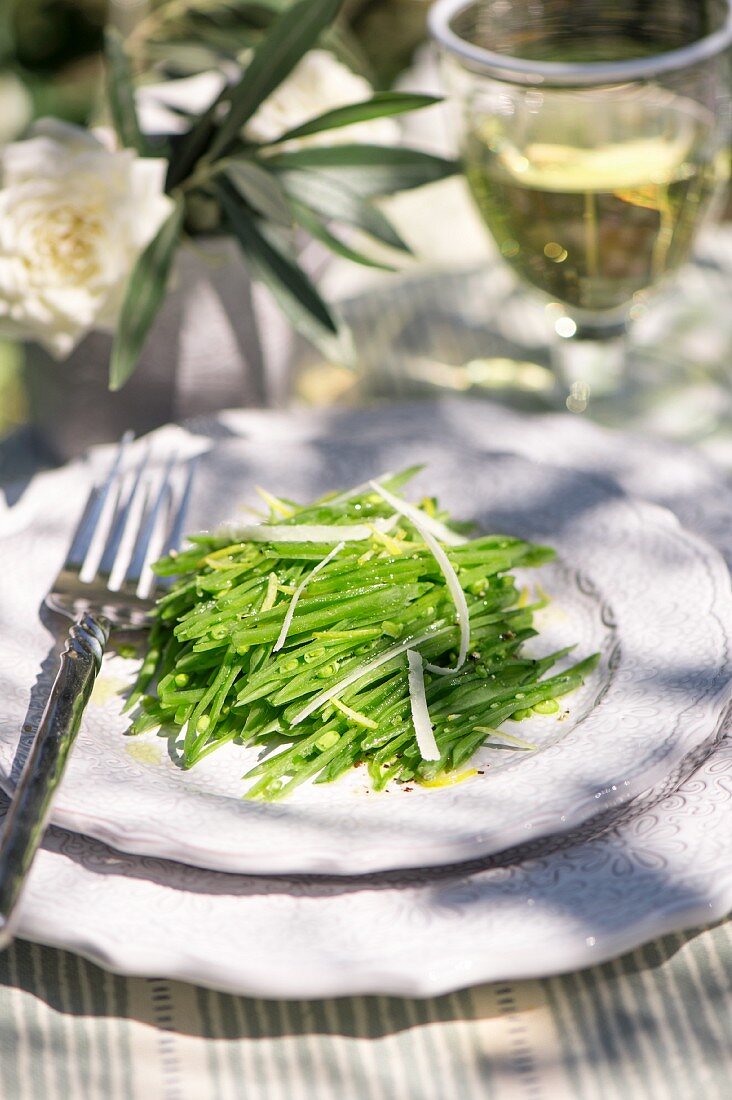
[25, 822]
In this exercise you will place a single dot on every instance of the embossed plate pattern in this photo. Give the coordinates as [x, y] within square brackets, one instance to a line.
[630, 579]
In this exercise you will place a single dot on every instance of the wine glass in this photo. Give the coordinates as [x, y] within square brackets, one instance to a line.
[595, 137]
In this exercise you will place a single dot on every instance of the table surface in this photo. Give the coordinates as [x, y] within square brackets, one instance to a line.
[654, 1023]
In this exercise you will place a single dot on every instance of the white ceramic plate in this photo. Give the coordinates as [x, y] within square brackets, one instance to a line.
[631, 581]
[563, 905]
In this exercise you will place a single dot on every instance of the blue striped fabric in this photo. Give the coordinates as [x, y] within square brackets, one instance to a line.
[655, 1024]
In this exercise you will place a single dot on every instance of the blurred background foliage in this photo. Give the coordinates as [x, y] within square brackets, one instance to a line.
[51, 64]
[377, 37]
[50, 50]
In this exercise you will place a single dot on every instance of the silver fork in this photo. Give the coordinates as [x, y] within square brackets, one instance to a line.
[105, 585]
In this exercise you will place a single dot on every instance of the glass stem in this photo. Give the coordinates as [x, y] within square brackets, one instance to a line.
[589, 365]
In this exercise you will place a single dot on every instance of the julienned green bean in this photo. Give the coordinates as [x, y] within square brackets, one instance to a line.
[212, 676]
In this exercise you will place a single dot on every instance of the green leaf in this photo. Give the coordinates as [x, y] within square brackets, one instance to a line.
[288, 40]
[296, 295]
[261, 189]
[333, 199]
[145, 293]
[188, 149]
[368, 170]
[345, 44]
[312, 224]
[121, 94]
[381, 105]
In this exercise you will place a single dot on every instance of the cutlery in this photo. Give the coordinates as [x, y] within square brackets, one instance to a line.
[106, 586]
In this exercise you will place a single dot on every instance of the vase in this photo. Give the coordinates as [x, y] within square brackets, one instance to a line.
[218, 341]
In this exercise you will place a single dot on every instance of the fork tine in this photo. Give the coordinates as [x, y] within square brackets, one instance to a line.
[118, 541]
[134, 512]
[167, 543]
[90, 520]
[149, 542]
[176, 532]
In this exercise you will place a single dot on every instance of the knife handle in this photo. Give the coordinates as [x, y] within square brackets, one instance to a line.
[26, 819]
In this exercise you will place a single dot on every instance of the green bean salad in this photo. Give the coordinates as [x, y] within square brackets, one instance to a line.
[359, 630]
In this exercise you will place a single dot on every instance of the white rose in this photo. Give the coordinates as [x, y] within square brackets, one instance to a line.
[319, 83]
[74, 217]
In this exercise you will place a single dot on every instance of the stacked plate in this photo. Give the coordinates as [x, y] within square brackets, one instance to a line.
[616, 829]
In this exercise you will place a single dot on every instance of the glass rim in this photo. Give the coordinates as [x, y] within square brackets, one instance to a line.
[517, 70]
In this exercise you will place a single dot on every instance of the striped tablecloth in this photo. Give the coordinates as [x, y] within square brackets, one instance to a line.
[654, 1024]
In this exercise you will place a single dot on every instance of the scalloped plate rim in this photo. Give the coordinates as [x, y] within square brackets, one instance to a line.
[373, 858]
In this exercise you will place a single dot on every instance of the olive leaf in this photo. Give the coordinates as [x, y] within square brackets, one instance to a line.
[336, 201]
[296, 295]
[261, 189]
[121, 94]
[288, 40]
[317, 229]
[145, 292]
[381, 105]
[368, 170]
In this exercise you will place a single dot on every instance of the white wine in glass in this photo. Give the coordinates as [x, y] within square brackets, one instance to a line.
[592, 225]
[595, 137]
